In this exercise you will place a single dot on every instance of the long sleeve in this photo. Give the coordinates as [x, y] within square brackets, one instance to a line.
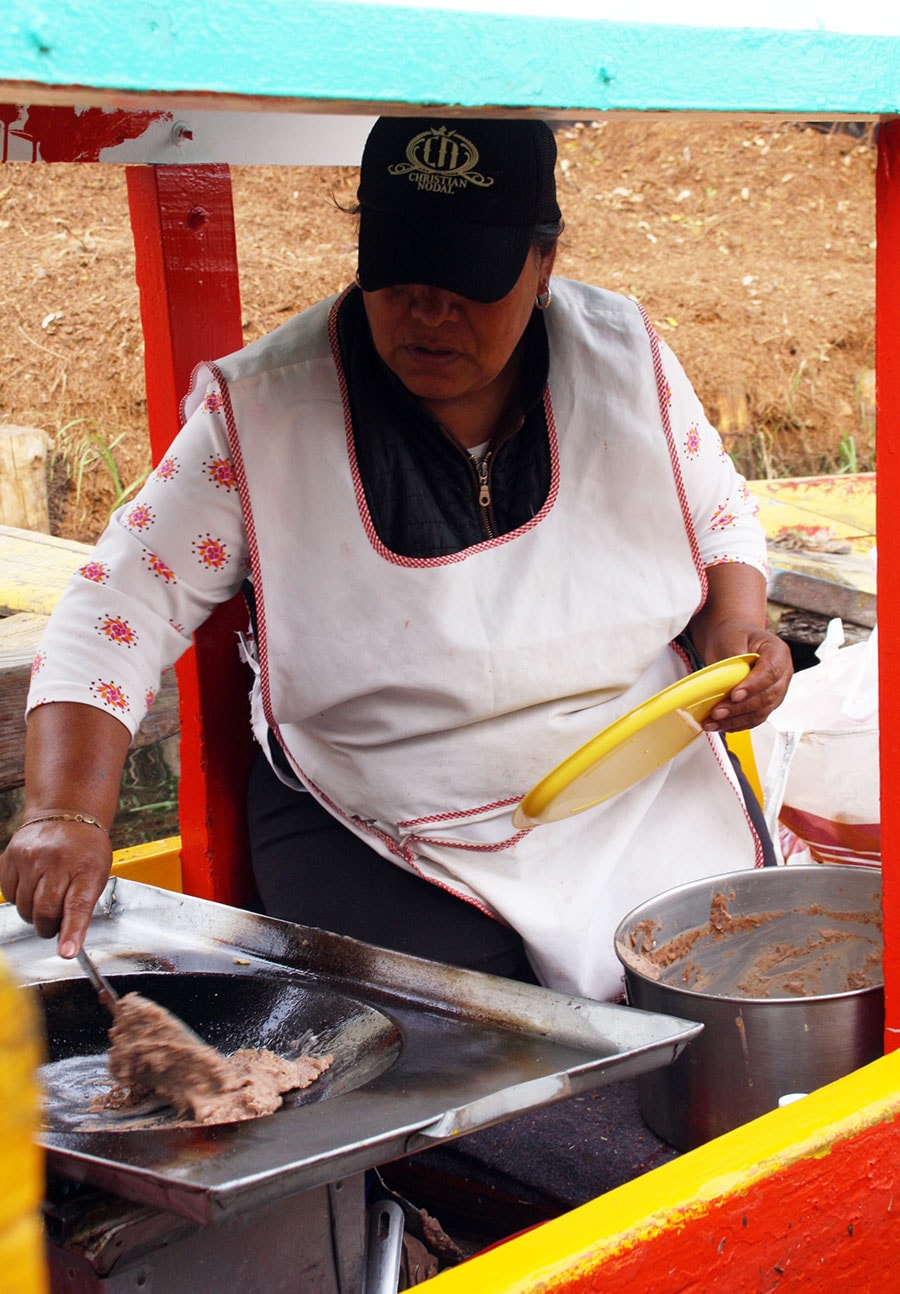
[162, 564]
[723, 510]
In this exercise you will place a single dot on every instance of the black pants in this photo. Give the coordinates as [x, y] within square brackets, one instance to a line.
[312, 870]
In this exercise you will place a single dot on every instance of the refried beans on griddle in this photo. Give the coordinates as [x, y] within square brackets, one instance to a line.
[153, 1052]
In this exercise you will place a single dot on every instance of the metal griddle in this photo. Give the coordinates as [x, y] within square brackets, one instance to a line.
[423, 1052]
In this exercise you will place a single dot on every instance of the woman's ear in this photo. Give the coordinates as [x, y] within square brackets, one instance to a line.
[546, 261]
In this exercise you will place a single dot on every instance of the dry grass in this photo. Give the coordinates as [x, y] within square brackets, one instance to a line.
[751, 245]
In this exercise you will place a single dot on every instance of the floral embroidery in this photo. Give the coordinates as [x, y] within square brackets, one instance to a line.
[692, 441]
[149, 697]
[729, 559]
[111, 694]
[139, 517]
[722, 518]
[752, 504]
[167, 468]
[220, 472]
[179, 629]
[213, 402]
[98, 572]
[211, 552]
[38, 663]
[667, 394]
[117, 630]
[158, 568]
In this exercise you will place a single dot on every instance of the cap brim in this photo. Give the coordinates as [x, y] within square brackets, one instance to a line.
[481, 262]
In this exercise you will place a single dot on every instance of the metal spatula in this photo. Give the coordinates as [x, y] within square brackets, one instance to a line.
[105, 991]
[109, 997]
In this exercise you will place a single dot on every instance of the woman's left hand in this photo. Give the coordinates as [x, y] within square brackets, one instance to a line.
[729, 624]
[764, 688]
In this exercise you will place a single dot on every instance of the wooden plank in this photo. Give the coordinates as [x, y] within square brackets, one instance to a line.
[819, 508]
[42, 133]
[19, 638]
[802, 1198]
[23, 478]
[826, 597]
[887, 347]
[35, 568]
[337, 51]
[158, 863]
[186, 266]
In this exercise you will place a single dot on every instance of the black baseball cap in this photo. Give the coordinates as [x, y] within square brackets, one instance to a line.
[453, 203]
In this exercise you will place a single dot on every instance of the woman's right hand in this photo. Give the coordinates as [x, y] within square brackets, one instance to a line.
[54, 872]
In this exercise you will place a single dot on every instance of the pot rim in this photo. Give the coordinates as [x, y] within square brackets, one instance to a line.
[639, 912]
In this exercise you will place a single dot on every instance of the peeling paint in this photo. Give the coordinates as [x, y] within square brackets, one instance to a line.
[59, 134]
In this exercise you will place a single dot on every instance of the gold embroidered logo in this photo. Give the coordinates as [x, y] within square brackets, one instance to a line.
[441, 161]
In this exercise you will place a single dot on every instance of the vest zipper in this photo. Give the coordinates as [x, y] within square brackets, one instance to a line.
[483, 478]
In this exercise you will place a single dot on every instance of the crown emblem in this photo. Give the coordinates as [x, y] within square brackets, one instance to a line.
[441, 161]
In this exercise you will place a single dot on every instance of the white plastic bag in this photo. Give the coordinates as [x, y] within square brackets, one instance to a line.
[819, 750]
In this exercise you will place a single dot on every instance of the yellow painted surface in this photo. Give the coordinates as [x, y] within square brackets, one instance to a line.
[22, 1265]
[822, 526]
[741, 744]
[853, 569]
[157, 863]
[35, 568]
[685, 1187]
[819, 507]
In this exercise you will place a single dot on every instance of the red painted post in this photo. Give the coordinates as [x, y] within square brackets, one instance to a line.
[887, 350]
[186, 264]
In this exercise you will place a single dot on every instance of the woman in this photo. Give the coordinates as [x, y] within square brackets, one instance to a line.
[477, 508]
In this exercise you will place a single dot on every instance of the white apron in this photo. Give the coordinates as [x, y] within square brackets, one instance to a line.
[419, 699]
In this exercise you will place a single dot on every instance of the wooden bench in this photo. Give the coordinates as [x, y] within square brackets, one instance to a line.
[34, 570]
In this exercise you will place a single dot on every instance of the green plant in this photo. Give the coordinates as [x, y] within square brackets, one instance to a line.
[83, 452]
[752, 453]
[864, 391]
[847, 460]
[148, 798]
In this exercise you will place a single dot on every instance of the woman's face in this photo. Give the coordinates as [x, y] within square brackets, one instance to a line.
[447, 349]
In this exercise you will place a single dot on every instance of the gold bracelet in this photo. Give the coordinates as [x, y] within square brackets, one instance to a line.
[57, 815]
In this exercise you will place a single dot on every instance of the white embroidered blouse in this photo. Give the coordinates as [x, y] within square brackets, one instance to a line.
[180, 547]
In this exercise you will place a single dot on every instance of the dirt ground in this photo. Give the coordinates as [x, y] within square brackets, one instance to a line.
[751, 244]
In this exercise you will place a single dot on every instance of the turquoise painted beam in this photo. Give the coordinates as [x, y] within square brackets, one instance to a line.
[376, 54]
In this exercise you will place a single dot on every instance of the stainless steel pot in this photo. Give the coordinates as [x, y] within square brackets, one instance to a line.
[786, 980]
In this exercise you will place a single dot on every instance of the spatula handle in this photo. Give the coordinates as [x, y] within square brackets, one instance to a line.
[105, 991]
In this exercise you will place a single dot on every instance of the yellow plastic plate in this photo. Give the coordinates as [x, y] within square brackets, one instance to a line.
[642, 740]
